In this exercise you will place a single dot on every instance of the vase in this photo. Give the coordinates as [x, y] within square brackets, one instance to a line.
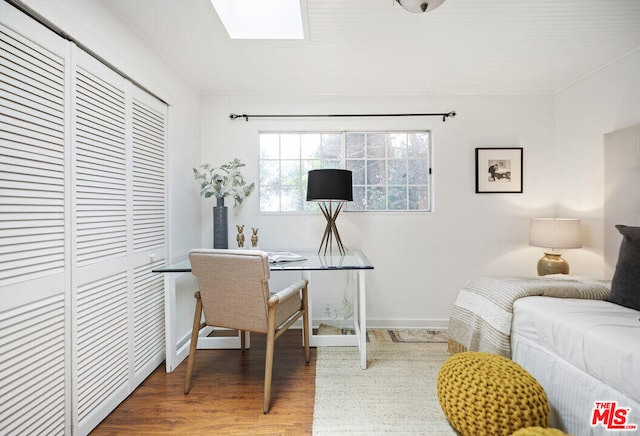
[220, 225]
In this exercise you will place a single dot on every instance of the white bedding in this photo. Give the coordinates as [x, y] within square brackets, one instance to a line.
[581, 352]
[482, 314]
[598, 337]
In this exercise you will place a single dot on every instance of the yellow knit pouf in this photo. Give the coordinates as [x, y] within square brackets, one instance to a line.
[486, 394]
[539, 431]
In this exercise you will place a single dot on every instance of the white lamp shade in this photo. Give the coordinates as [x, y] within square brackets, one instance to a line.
[555, 233]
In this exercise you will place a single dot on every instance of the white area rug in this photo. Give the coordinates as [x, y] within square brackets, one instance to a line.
[396, 394]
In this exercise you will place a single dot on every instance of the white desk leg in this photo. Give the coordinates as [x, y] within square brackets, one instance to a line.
[306, 275]
[174, 355]
[360, 316]
[170, 339]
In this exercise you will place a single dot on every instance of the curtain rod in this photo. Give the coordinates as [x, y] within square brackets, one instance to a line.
[246, 117]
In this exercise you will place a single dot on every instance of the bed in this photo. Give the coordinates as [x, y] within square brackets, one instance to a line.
[581, 352]
[579, 337]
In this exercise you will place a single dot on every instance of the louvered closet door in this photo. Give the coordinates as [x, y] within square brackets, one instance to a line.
[100, 272]
[82, 224]
[149, 226]
[32, 228]
[119, 225]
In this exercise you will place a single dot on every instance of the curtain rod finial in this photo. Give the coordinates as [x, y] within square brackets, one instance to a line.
[451, 114]
[234, 116]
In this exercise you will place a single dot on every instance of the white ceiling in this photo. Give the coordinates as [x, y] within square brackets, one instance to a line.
[376, 47]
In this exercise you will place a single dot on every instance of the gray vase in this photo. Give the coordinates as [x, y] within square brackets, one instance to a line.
[220, 225]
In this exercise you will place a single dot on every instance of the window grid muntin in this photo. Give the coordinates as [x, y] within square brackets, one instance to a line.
[414, 193]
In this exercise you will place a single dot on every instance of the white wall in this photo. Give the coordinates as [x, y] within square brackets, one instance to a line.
[421, 260]
[606, 101]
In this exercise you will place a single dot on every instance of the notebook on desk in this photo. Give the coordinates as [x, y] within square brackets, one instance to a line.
[283, 256]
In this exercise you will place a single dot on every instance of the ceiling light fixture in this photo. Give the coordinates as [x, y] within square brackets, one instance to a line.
[419, 6]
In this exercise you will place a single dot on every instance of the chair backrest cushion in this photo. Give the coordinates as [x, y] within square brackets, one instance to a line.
[234, 287]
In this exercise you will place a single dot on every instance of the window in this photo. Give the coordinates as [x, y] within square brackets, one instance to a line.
[391, 170]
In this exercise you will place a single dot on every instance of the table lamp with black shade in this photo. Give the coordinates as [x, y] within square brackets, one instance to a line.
[330, 188]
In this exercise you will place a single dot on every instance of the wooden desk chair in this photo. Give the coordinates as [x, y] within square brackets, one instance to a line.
[234, 293]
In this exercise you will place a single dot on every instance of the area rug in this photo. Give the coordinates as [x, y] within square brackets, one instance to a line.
[396, 394]
[394, 335]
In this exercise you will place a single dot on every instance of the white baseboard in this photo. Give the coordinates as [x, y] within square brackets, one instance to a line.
[435, 324]
[409, 323]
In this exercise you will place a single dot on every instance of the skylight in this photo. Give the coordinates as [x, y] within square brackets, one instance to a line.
[261, 19]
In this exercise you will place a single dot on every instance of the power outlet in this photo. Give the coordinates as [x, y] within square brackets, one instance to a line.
[327, 309]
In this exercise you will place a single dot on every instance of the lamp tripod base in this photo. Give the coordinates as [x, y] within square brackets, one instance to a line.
[331, 230]
[552, 263]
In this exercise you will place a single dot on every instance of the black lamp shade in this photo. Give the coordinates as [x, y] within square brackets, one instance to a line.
[330, 184]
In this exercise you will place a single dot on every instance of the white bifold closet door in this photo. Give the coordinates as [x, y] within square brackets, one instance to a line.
[82, 224]
[118, 226]
[34, 250]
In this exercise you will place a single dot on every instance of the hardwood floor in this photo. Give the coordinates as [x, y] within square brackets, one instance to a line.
[226, 395]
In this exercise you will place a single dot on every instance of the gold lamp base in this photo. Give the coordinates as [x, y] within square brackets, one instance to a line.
[552, 263]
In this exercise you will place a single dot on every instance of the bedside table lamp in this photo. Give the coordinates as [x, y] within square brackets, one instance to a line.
[554, 233]
[330, 187]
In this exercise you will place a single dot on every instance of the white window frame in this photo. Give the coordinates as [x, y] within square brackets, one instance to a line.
[274, 149]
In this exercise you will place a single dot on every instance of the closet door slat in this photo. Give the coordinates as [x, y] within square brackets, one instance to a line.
[148, 316]
[101, 195]
[149, 206]
[33, 365]
[102, 341]
[31, 160]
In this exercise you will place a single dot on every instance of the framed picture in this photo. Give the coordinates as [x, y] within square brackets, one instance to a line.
[499, 170]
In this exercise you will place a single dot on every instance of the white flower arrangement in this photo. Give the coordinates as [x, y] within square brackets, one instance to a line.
[223, 181]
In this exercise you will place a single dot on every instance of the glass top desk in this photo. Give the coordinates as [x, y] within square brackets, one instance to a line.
[354, 261]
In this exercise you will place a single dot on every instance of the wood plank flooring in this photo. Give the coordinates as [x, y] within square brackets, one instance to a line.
[226, 395]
